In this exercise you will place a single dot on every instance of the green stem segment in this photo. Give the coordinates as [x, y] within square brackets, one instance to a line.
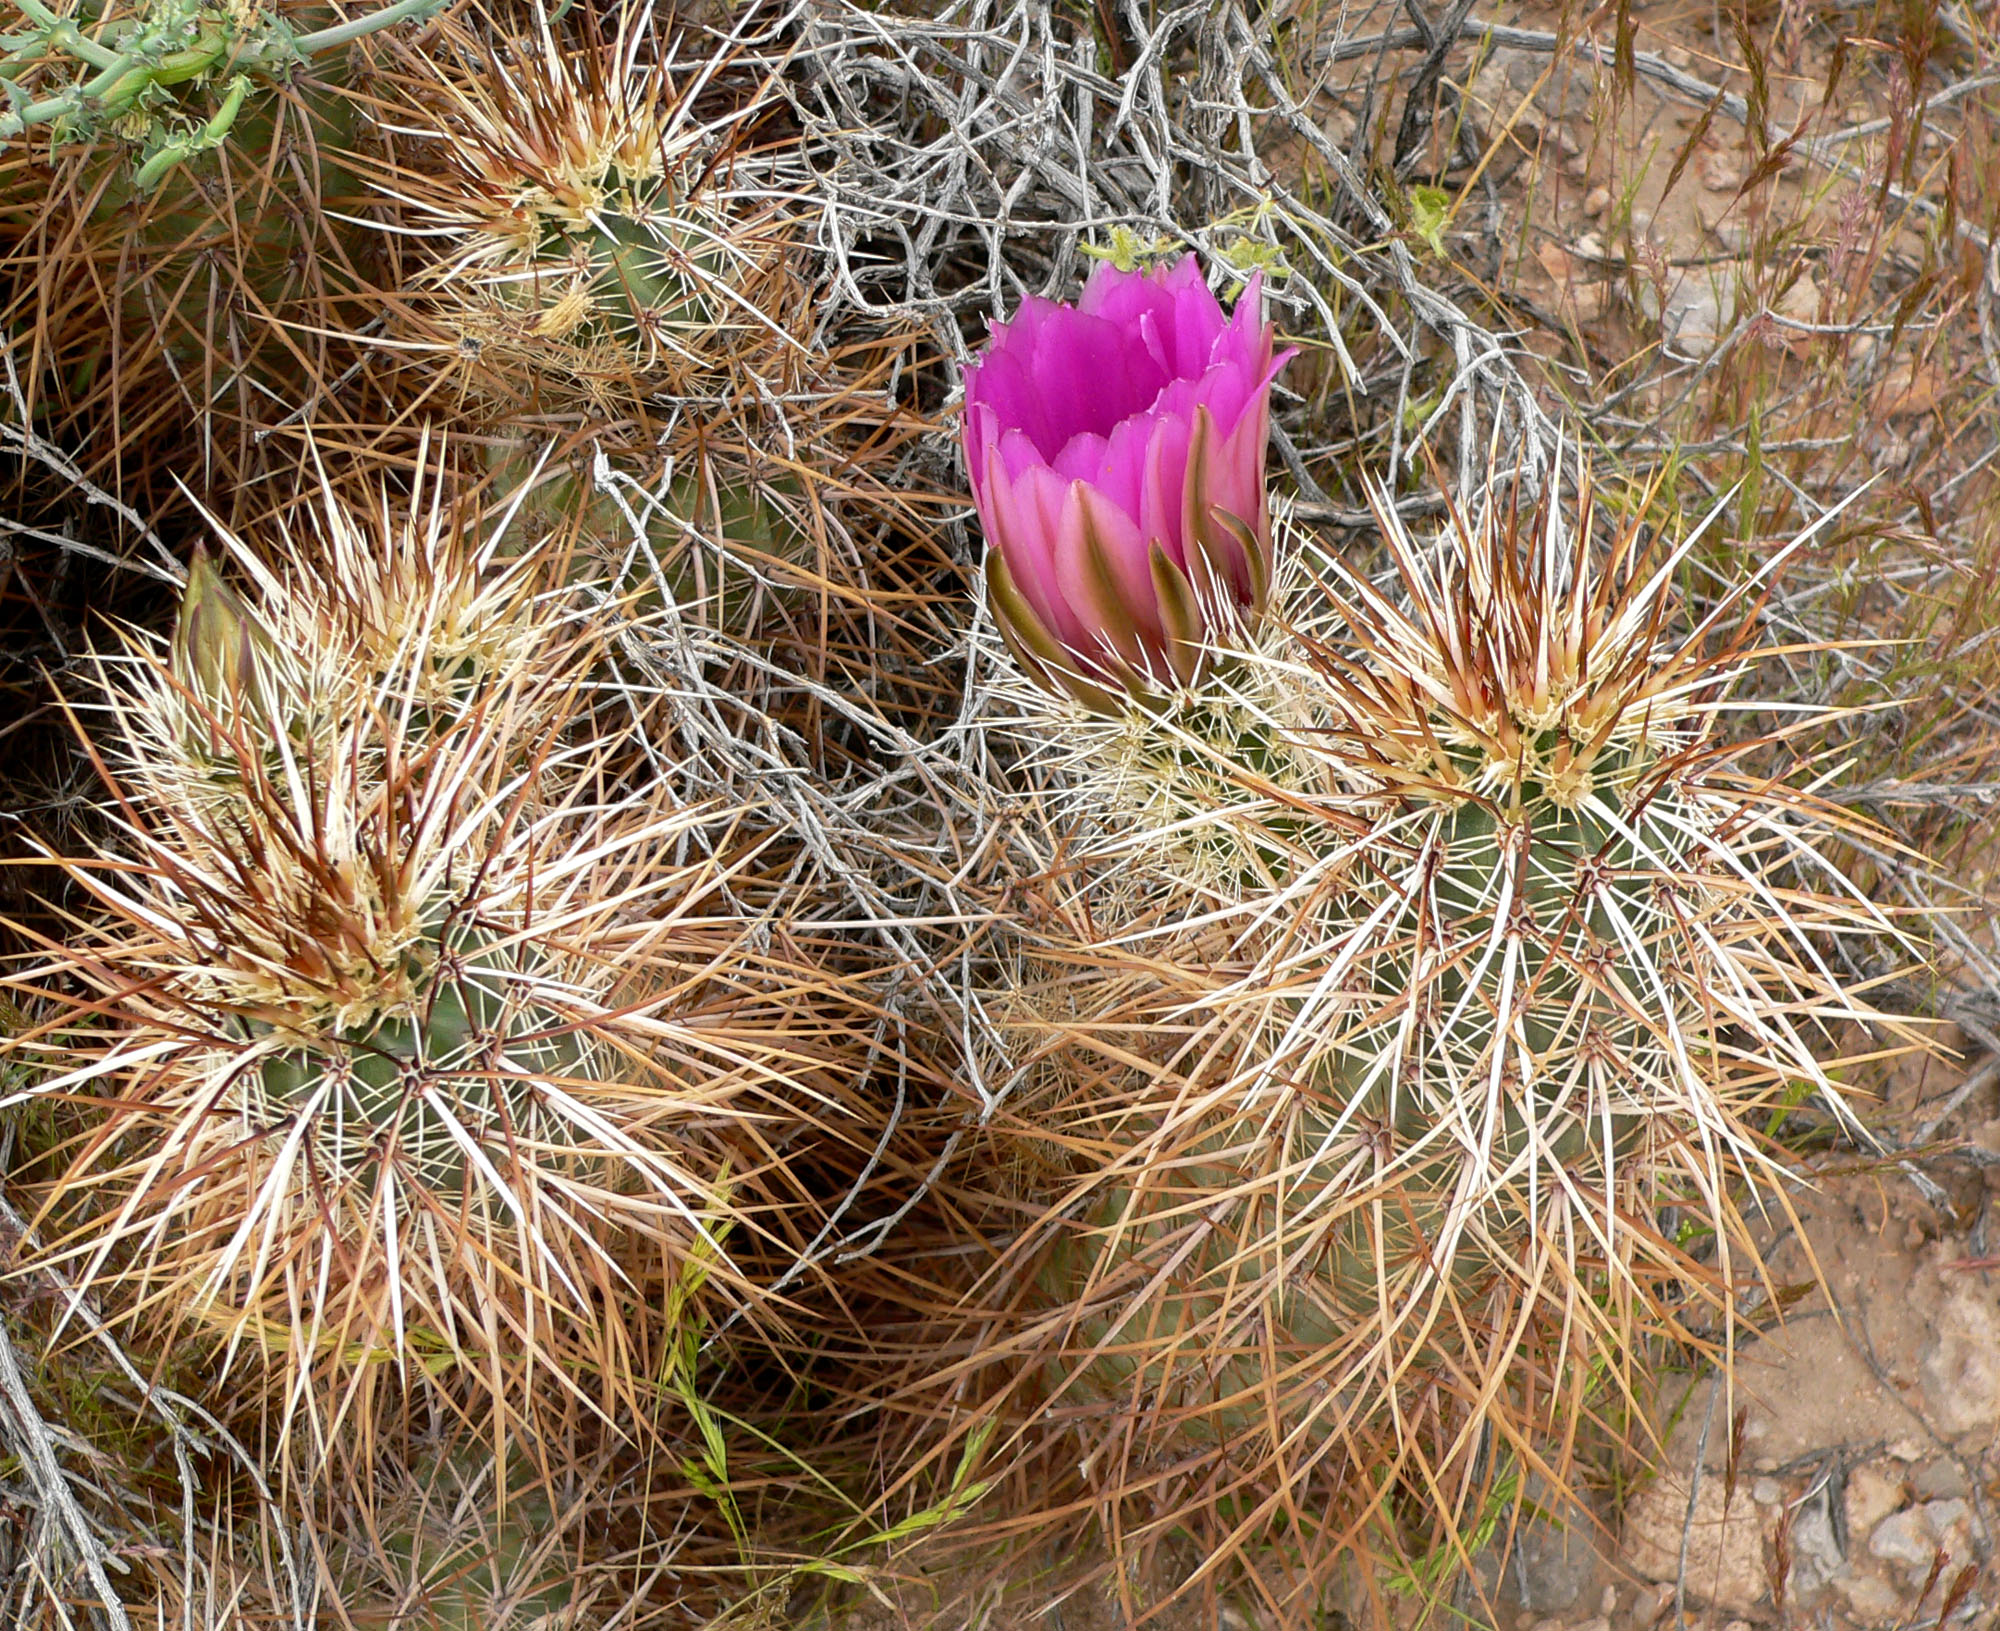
[141, 58]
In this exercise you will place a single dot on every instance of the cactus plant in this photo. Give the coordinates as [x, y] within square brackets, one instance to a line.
[1426, 952]
[598, 230]
[602, 215]
[171, 183]
[419, 1036]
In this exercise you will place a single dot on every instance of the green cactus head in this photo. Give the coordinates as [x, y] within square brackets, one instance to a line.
[1510, 952]
[424, 1033]
[604, 219]
[462, 1542]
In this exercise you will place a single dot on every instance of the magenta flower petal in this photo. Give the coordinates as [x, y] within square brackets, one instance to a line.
[1104, 573]
[1022, 521]
[1116, 455]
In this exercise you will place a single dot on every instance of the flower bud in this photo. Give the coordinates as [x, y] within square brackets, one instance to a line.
[217, 639]
[1116, 455]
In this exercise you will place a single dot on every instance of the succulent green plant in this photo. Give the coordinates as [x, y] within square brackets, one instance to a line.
[1440, 943]
[119, 76]
[723, 546]
[601, 216]
[422, 1037]
[462, 1542]
[172, 258]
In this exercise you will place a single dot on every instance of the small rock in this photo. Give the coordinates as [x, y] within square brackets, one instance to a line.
[1903, 1537]
[1800, 302]
[1692, 319]
[1871, 1600]
[1950, 1524]
[1725, 1544]
[1584, 299]
[1557, 262]
[1767, 1492]
[1940, 1481]
[1648, 1604]
[1874, 1490]
[1910, 389]
[1914, 1538]
[1607, 1601]
[1720, 172]
[1591, 246]
[1597, 1622]
[1726, 223]
[1961, 1367]
[1816, 1559]
[1555, 91]
[1596, 201]
[1906, 1449]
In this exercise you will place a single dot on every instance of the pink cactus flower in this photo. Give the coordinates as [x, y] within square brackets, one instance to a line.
[1116, 452]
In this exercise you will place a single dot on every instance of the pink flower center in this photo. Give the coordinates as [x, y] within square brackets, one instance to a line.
[1090, 379]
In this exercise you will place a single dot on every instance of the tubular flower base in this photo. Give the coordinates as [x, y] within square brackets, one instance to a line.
[1116, 453]
[1419, 961]
[407, 1045]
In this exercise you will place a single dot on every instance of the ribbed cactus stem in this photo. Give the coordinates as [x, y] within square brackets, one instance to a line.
[1454, 944]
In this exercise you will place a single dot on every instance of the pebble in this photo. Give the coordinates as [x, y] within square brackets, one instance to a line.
[1650, 1603]
[1767, 1492]
[1692, 320]
[1816, 1559]
[1874, 1490]
[1720, 173]
[1903, 1537]
[1596, 201]
[1870, 1599]
[1723, 1549]
[1962, 1363]
[1940, 1481]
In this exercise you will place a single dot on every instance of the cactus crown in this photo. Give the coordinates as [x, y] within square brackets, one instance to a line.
[1450, 941]
[601, 216]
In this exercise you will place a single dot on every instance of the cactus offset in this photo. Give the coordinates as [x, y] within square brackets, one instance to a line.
[601, 223]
